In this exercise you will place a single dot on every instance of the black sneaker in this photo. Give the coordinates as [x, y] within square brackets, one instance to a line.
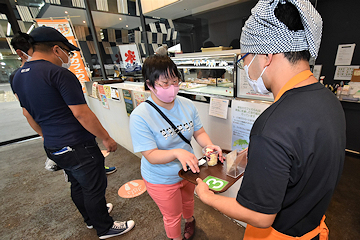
[118, 228]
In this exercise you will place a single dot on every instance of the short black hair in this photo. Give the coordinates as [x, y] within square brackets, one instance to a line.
[289, 15]
[156, 66]
[21, 41]
[45, 46]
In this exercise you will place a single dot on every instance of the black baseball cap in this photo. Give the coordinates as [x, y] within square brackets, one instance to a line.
[49, 34]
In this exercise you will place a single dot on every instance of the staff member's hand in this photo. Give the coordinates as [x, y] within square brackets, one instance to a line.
[110, 145]
[203, 191]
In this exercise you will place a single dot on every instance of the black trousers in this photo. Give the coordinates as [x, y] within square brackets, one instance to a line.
[84, 165]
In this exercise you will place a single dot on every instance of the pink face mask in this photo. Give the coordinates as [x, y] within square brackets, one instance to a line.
[166, 95]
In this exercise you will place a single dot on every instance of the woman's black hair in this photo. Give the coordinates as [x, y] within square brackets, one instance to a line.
[156, 66]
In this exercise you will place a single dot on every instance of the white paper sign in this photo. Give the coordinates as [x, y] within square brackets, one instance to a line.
[344, 72]
[130, 57]
[244, 115]
[344, 54]
[317, 71]
[218, 107]
[115, 94]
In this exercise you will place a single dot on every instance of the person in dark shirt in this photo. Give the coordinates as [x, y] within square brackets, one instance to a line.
[21, 45]
[53, 103]
[297, 145]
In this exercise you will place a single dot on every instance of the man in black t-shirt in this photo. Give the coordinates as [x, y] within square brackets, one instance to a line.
[54, 105]
[297, 145]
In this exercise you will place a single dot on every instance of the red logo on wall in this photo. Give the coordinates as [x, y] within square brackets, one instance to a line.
[130, 56]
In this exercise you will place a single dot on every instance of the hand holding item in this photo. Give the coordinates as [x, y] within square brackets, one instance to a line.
[203, 191]
[186, 159]
[212, 154]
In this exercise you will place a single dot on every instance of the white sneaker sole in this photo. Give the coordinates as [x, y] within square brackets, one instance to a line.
[130, 224]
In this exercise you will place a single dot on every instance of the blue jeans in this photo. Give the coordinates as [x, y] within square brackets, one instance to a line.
[84, 165]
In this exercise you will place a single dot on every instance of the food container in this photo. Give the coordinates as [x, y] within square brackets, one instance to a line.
[211, 155]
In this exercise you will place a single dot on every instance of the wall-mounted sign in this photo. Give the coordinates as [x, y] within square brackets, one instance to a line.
[244, 115]
[130, 57]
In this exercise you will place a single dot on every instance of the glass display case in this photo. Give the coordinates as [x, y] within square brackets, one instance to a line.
[212, 73]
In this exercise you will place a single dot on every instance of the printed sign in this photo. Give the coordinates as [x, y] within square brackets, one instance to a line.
[218, 107]
[77, 64]
[115, 94]
[128, 101]
[130, 57]
[107, 91]
[139, 98]
[132, 189]
[215, 183]
[244, 115]
[104, 101]
[101, 89]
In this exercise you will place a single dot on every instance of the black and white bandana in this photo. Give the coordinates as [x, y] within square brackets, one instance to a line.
[263, 33]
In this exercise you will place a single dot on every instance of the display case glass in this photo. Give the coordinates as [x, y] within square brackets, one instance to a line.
[208, 73]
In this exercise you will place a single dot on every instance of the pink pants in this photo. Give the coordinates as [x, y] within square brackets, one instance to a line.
[173, 201]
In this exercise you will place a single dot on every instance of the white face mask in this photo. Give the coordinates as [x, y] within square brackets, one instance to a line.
[65, 65]
[28, 57]
[258, 85]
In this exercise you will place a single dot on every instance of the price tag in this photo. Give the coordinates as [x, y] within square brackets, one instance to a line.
[215, 183]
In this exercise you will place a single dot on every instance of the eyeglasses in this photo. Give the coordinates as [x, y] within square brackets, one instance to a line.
[71, 54]
[168, 82]
[240, 62]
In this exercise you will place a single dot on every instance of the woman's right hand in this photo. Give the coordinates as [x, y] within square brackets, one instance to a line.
[186, 159]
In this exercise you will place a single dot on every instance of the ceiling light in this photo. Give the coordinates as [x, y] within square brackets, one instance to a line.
[31, 28]
[84, 21]
[2, 63]
[8, 30]
[127, 26]
[66, 12]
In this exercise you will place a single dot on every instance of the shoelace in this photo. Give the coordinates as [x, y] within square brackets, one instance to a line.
[119, 225]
